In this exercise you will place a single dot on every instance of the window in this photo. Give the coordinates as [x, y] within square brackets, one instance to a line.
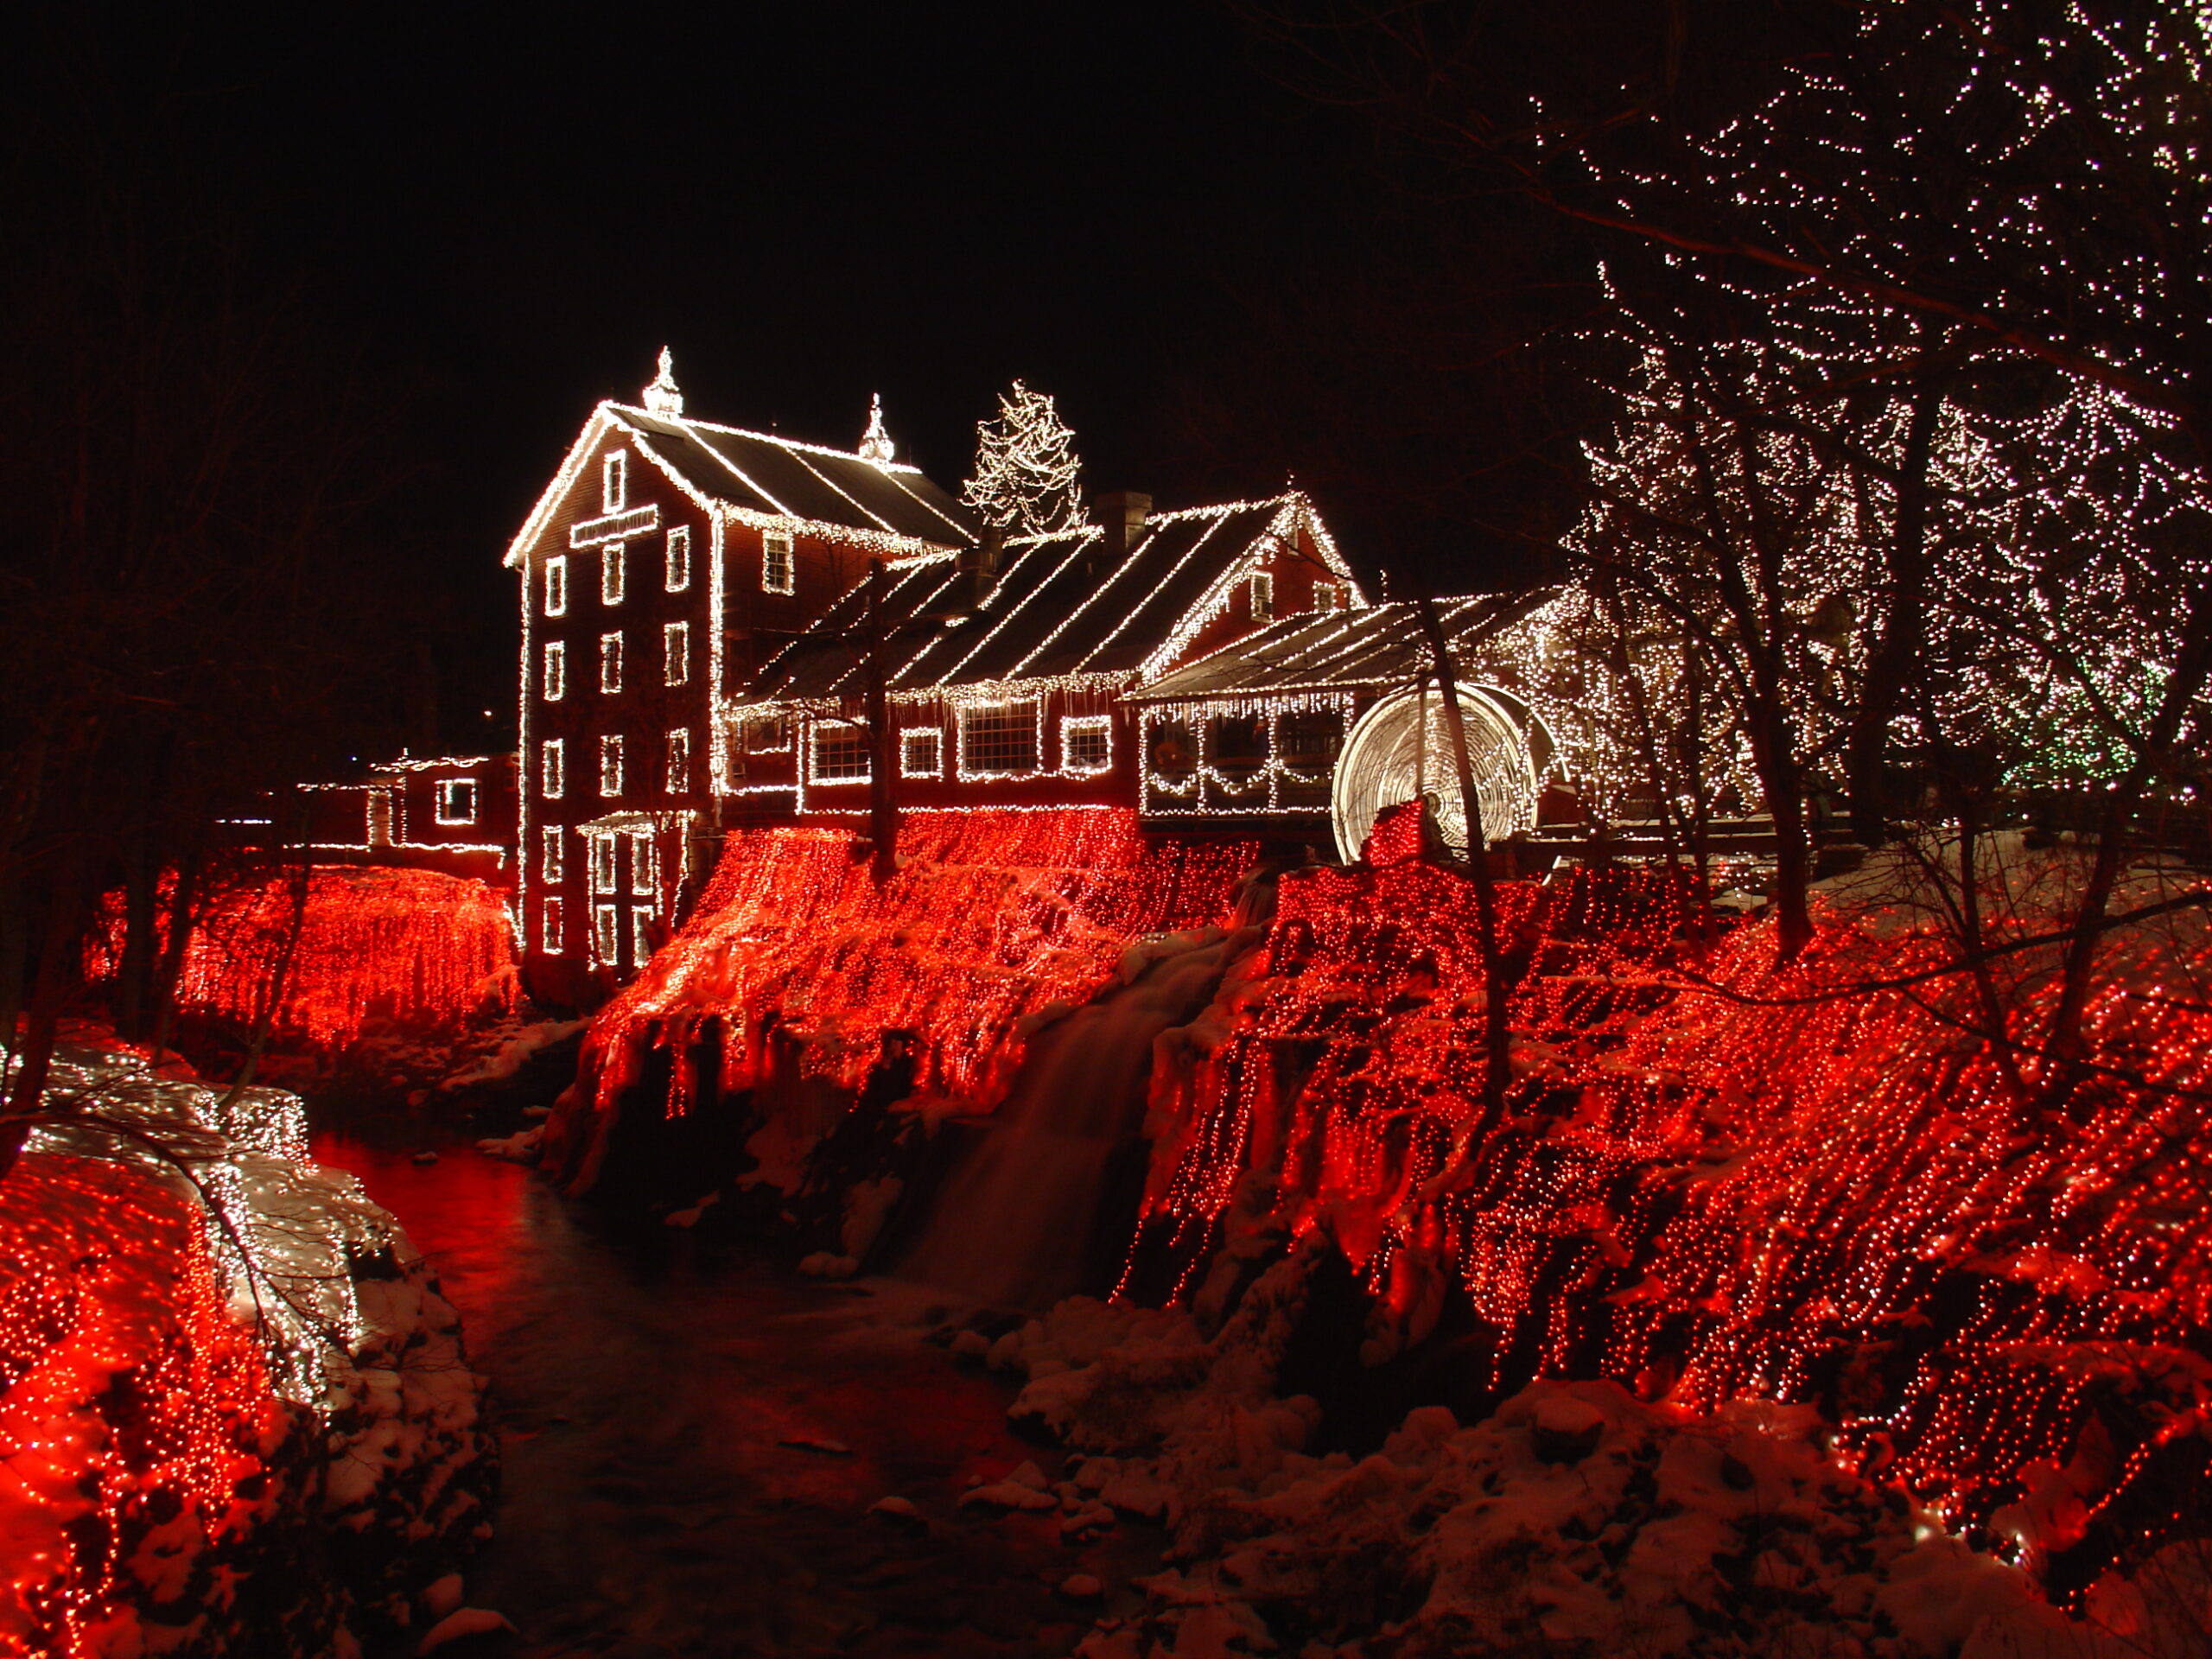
[610, 662]
[676, 571]
[1328, 597]
[778, 571]
[456, 800]
[550, 929]
[607, 934]
[768, 734]
[610, 765]
[675, 653]
[839, 753]
[1173, 753]
[679, 761]
[602, 864]
[611, 574]
[551, 867]
[550, 778]
[557, 585]
[614, 482]
[641, 935]
[553, 682]
[644, 866]
[998, 740]
[1086, 743]
[921, 752]
[1264, 595]
[1309, 740]
[1237, 745]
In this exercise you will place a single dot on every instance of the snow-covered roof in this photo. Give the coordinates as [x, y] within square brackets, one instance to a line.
[1376, 645]
[760, 475]
[1059, 604]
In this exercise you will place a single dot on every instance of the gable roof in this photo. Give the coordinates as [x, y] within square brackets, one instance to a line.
[1376, 646]
[1058, 606]
[761, 476]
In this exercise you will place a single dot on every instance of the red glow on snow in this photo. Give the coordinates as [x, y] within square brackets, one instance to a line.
[132, 1406]
[990, 917]
[1842, 1201]
[416, 947]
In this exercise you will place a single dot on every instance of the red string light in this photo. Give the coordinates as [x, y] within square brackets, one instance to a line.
[135, 1413]
[990, 917]
[1841, 1199]
[413, 946]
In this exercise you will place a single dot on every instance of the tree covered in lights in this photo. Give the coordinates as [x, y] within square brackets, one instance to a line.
[1026, 475]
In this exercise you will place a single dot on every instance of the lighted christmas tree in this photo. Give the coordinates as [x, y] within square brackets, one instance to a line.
[1025, 474]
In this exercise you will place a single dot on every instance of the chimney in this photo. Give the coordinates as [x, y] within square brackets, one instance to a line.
[976, 567]
[1122, 514]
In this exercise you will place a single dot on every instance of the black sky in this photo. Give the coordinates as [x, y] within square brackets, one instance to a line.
[510, 214]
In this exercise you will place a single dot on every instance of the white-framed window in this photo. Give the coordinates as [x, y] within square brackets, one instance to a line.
[1263, 587]
[610, 765]
[552, 771]
[998, 740]
[679, 761]
[602, 864]
[778, 565]
[607, 934]
[557, 585]
[675, 653]
[612, 575]
[553, 679]
[641, 937]
[839, 752]
[456, 800]
[921, 752]
[615, 481]
[1328, 597]
[610, 662]
[676, 567]
[552, 862]
[644, 866]
[1086, 742]
[768, 734]
[550, 938]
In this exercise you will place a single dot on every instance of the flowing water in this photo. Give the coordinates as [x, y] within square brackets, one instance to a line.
[1018, 1221]
[670, 1415]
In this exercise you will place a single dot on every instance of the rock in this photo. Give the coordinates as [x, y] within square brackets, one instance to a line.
[1005, 1495]
[1031, 1476]
[425, 1159]
[971, 1344]
[899, 1512]
[824, 1264]
[462, 1624]
[443, 1598]
[1082, 1587]
[1565, 1429]
[827, 1447]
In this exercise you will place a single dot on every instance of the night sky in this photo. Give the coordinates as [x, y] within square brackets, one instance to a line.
[808, 204]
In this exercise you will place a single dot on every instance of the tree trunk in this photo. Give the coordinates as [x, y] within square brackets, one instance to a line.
[1498, 1043]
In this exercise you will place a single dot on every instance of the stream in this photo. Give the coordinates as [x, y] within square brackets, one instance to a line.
[692, 1441]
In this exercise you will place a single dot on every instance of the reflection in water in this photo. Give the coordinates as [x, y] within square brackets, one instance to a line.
[646, 1388]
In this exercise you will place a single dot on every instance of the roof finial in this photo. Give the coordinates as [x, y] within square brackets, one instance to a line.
[662, 397]
[875, 443]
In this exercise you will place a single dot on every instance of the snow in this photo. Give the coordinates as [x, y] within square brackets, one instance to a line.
[1575, 1517]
